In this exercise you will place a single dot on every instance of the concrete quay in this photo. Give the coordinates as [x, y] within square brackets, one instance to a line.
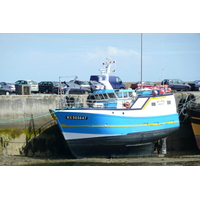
[26, 126]
[25, 121]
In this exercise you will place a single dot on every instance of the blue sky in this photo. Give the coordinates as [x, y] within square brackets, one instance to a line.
[47, 56]
[43, 40]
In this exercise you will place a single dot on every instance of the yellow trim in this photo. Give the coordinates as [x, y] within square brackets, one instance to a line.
[195, 118]
[196, 128]
[54, 116]
[158, 97]
[152, 99]
[64, 125]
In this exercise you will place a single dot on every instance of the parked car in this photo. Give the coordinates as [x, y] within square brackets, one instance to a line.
[33, 85]
[73, 88]
[4, 91]
[84, 84]
[176, 84]
[9, 86]
[195, 85]
[147, 84]
[96, 86]
[47, 86]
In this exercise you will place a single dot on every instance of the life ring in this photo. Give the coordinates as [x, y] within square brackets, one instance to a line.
[127, 104]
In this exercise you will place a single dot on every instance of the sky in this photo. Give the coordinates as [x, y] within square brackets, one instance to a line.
[48, 56]
[44, 40]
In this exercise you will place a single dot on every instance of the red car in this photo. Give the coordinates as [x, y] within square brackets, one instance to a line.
[147, 84]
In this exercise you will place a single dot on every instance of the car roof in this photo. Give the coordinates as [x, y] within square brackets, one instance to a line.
[49, 81]
[172, 79]
[25, 80]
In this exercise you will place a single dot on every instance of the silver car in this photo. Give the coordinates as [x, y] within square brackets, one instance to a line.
[33, 84]
[10, 87]
[4, 91]
[94, 85]
[83, 84]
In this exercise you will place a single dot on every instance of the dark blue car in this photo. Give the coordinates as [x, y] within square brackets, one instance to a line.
[195, 85]
[176, 84]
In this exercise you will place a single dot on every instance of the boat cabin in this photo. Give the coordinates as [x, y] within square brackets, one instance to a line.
[111, 98]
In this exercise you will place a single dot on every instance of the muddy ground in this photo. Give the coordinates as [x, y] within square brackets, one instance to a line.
[172, 160]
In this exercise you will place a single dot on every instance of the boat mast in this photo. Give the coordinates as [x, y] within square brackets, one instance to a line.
[106, 73]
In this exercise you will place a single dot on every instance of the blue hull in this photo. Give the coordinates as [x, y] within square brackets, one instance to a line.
[107, 125]
[141, 143]
[103, 135]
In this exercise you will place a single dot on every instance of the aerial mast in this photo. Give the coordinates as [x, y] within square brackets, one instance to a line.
[141, 61]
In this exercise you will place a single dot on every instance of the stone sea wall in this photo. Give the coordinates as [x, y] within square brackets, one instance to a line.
[26, 126]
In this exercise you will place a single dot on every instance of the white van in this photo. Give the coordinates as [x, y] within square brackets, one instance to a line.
[33, 84]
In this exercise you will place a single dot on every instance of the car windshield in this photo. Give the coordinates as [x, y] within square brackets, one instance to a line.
[151, 83]
[63, 85]
[17, 82]
[139, 82]
[84, 83]
[32, 82]
[55, 83]
[73, 85]
[196, 81]
[95, 83]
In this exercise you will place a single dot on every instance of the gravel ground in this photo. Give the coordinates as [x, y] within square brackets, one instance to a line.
[183, 160]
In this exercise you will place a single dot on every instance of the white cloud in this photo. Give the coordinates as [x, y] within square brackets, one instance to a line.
[112, 52]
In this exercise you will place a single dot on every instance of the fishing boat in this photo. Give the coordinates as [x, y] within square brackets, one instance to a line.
[193, 111]
[100, 131]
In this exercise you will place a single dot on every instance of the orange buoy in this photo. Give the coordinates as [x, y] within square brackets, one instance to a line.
[127, 104]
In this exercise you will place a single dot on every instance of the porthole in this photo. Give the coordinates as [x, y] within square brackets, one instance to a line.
[168, 102]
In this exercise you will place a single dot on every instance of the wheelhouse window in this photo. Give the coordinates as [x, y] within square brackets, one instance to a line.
[105, 96]
[101, 96]
[96, 96]
[125, 94]
[119, 94]
[111, 95]
[130, 94]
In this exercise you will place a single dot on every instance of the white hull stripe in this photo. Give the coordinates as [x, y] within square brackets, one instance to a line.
[74, 136]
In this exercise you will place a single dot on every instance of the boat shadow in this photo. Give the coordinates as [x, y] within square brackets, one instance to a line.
[46, 141]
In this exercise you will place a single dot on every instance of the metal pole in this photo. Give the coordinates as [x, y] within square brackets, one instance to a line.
[163, 146]
[141, 61]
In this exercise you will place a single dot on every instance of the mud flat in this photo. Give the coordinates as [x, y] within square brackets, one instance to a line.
[173, 160]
